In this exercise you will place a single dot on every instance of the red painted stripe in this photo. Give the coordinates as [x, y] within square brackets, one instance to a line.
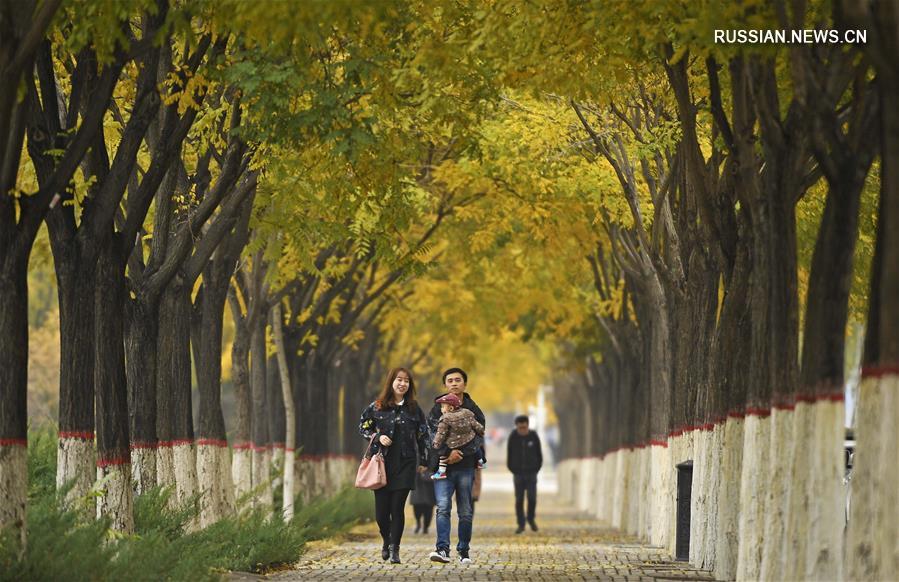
[658, 443]
[85, 435]
[13, 442]
[176, 443]
[213, 442]
[114, 462]
[278, 445]
[144, 445]
[736, 414]
[760, 412]
[241, 446]
[879, 371]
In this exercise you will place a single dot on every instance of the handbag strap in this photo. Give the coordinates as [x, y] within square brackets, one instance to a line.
[368, 448]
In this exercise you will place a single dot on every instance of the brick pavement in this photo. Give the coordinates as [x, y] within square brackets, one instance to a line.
[569, 546]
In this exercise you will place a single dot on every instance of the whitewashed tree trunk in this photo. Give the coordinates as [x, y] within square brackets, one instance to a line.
[753, 483]
[304, 477]
[262, 481]
[777, 486]
[224, 477]
[213, 478]
[872, 548]
[798, 477]
[727, 538]
[646, 493]
[114, 497]
[713, 486]
[562, 480]
[598, 496]
[165, 468]
[76, 466]
[143, 467]
[242, 474]
[635, 466]
[887, 540]
[662, 495]
[698, 510]
[601, 500]
[620, 493]
[290, 415]
[184, 463]
[824, 489]
[14, 487]
[586, 483]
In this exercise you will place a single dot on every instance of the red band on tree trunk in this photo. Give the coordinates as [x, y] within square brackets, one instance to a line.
[84, 435]
[13, 442]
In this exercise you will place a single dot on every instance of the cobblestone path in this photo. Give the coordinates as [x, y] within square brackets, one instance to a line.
[568, 546]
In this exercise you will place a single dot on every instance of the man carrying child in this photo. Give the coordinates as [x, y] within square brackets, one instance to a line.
[458, 476]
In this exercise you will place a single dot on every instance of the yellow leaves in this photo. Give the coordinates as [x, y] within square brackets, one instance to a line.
[183, 87]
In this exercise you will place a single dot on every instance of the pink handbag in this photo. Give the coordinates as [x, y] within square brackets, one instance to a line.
[371, 473]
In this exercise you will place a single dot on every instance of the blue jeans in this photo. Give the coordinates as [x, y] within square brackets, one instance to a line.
[458, 481]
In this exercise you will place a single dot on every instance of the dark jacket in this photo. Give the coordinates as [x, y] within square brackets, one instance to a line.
[523, 455]
[383, 422]
[468, 461]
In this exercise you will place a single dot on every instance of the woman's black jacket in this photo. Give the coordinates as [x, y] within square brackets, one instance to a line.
[384, 422]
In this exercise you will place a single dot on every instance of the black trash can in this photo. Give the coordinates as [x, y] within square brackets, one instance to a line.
[684, 488]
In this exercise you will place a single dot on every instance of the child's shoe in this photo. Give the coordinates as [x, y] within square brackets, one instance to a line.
[438, 475]
[481, 463]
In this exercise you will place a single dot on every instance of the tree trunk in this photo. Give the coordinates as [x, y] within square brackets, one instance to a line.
[113, 454]
[213, 457]
[873, 530]
[816, 502]
[276, 416]
[262, 483]
[729, 374]
[75, 457]
[290, 417]
[242, 467]
[177, 455]
[13, 392]
[142, 333]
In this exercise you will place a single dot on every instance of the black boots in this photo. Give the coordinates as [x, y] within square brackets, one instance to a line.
[394, 553]
[385, 550]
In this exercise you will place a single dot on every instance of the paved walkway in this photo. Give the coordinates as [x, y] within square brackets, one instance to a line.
[569, 546]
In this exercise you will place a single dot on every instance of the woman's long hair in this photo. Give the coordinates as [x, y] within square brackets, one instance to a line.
[387, 398]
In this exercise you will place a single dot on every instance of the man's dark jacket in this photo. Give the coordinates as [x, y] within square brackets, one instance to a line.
[523, 454]
[468, 461]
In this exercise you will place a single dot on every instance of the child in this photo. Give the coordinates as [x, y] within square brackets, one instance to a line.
[457, 429]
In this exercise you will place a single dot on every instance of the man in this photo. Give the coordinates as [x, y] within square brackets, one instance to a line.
[459, 476]
[524, 460]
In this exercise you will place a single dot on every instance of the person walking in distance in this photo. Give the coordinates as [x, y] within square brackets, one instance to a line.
[399, 430]
[524, 459]
[423, 501]
[459, 476]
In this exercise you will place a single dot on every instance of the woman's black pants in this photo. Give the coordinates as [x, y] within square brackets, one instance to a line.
[389, 513]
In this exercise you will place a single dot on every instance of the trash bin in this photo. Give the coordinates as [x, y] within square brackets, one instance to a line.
[684, 488]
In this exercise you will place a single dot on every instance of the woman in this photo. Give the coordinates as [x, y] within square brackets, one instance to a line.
[400, 432]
